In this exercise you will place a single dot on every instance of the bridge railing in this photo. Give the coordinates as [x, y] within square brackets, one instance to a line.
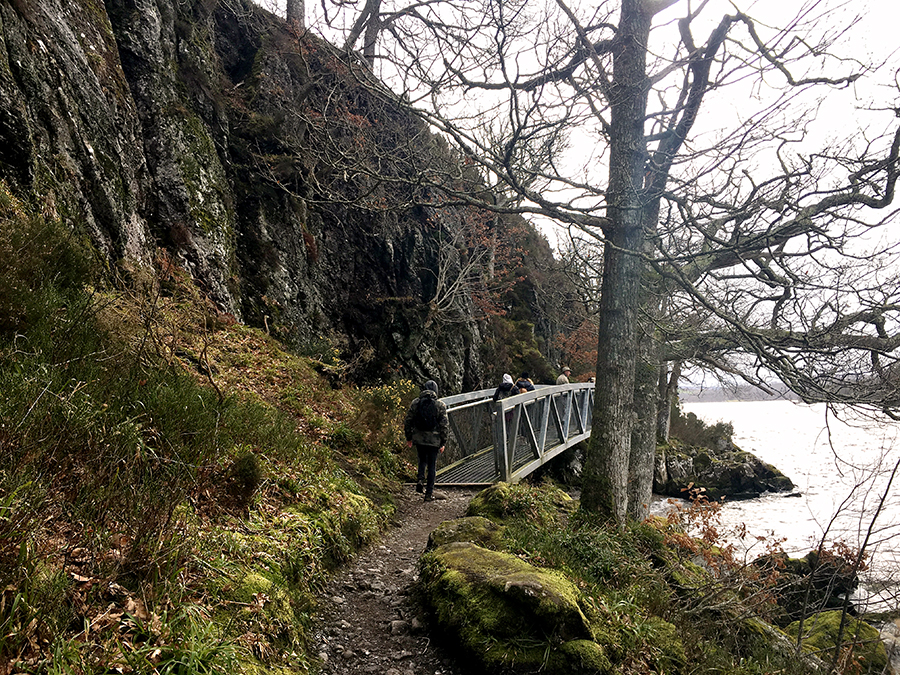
[509, 439]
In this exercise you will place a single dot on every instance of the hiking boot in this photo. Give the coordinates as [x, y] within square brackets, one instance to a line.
[420, 487]
[429, 498]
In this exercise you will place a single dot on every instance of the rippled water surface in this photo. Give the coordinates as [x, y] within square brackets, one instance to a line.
[841, 468]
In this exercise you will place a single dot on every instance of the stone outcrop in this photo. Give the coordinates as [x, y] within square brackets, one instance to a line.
[726, 471]
[813, 583]
[251, 155]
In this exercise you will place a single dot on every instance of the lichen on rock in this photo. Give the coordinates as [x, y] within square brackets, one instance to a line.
[475, 529]
[496, 603]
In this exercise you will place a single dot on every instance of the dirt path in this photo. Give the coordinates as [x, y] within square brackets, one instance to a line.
[367, 622]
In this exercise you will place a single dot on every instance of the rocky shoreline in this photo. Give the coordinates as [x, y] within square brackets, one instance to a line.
[725, 471]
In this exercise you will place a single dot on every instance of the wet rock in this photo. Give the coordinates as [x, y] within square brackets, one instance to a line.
[726, 471]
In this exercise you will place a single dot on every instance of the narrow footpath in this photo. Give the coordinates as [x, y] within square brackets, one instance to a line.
[368, 623]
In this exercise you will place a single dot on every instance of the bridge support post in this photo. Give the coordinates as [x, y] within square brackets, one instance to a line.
[500, 442]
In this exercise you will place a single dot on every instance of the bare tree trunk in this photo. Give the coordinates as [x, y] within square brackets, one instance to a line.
[668, 388]
[373, 28]
[643, 435]
[606, 466]
[368, 22]
[295, 13]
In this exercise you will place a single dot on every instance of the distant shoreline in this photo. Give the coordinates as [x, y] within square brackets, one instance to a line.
[735, 394]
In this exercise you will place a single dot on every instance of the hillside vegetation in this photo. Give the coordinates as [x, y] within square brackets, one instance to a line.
[527, 583]
[175, 486]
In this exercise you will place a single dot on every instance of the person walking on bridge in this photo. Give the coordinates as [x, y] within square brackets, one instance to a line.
[428, 427]
[506, 389]
[524, 383]
[564, 378]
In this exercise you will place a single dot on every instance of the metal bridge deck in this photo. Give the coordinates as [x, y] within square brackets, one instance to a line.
[508, 439]
[480, 469]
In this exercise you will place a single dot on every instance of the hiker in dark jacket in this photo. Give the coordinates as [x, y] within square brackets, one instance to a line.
[524, 383]
[506, 389]
[428, 427]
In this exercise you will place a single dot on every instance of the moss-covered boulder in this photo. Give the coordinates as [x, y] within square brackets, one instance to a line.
[501, 501]
[490, 502]
[475, 529]
[809, 584]
[861, 648]
[506, 612]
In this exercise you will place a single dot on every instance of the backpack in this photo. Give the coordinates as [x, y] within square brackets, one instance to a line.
[426, 415]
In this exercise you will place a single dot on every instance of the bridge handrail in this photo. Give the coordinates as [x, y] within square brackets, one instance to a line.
[533, 418]
[541, 391]
[458, 400]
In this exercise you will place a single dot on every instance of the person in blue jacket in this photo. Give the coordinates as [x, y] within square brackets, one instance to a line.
[524, 383]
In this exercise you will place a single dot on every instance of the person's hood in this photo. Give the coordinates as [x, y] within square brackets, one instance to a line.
[431, 385]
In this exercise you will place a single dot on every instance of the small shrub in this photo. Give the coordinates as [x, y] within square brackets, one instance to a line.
[691, 430]
[243, 479]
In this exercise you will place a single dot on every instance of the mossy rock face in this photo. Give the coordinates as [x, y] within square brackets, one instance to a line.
[475, 529]
[490, 502]
[497, 604]
[860, 641]
[808, 584]
[502, 501]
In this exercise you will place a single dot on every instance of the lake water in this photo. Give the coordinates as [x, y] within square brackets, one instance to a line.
[842, 472]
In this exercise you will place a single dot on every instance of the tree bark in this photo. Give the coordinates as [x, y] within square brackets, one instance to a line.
[606, 466]
[668, 387]
[643, 435]
[295, 12]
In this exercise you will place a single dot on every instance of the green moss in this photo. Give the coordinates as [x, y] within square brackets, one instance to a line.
[585, 656]
[859, 641]
[252, 584]
[665, 646]
[538, 504]
[475, 529]
[501, 606]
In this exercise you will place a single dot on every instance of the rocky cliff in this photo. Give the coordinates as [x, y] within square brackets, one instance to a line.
[246, 153]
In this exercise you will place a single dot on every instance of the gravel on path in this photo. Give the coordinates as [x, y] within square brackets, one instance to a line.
[367, 622]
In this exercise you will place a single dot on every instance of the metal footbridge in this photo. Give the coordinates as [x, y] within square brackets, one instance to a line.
[507, 440]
